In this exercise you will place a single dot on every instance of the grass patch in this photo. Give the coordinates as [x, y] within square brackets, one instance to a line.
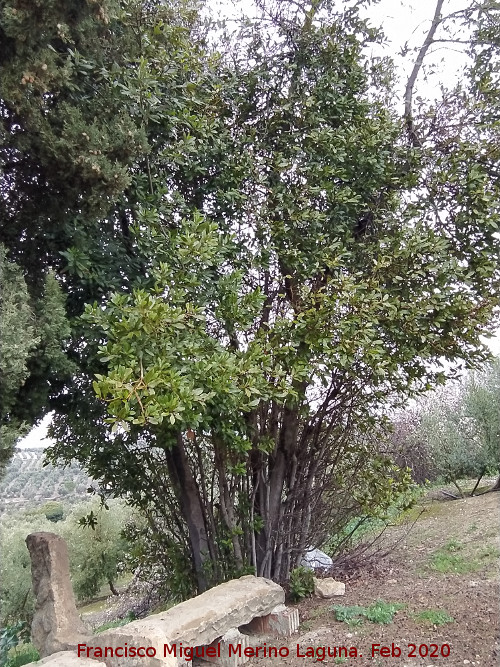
[91, 607]
[379, 612]
[447, 560]
[22, 654]
[434, 617]
[427, 509]
[115, 624]
[451, 564]
[489, 553]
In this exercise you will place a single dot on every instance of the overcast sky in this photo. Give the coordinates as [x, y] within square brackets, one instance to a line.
[407, 23]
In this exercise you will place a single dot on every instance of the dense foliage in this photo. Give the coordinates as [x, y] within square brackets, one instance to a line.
[274, 259]
[32, 356]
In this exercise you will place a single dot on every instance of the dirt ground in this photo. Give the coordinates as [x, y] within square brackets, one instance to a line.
[460, 537]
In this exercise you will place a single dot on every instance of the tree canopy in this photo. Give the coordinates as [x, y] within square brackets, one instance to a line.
[274, 260]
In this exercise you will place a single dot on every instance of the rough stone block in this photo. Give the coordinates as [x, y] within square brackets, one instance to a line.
[328, 588]
[56, 624]
[284, 621]
[281, 622]
[65, 659]
[225, 647]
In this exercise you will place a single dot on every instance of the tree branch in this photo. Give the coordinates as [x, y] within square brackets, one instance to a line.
[415, 72]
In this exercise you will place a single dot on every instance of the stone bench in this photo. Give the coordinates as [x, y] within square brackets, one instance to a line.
[208, 621]
[207, 624]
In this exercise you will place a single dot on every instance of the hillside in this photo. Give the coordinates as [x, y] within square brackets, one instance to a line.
[433, 601]
[28, 482]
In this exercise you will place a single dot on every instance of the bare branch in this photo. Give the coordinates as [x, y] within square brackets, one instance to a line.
[415, 71]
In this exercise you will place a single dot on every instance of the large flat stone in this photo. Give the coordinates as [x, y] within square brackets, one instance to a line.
[65, 659]
[195, 622]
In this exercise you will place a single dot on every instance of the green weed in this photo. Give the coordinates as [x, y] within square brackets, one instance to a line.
[383, 612]
[378, 612]
[23, 654]
[434, 617]
[349, 614]
[301, 583]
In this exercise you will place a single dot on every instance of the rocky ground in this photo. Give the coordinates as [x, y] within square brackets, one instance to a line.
[444, 574]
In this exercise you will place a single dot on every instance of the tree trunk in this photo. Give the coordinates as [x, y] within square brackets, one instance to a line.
[477, 482]
[112, 587]
[270, 497]
[191, 505]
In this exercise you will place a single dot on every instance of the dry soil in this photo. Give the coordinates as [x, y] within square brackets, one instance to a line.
[460, 537]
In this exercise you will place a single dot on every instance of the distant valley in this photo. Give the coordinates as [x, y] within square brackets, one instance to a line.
[27, 482]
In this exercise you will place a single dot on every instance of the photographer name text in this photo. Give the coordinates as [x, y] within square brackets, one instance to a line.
[318, 653]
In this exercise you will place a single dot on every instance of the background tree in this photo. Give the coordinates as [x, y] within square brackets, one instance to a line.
[18, 340]
[455, 431]
[98, 553]
[409, 446]
[32, 355]
[482, 406]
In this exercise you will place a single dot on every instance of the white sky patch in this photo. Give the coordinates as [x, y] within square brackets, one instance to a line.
[406, 24]
[37, 437]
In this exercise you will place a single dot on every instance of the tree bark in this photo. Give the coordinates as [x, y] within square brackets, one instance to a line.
[191, 505]
[112, 587]
[477, 483]
[415, 140]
